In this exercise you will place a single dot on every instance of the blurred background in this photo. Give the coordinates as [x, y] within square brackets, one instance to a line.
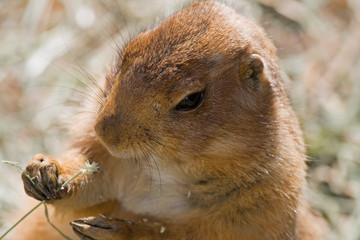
[48, 48]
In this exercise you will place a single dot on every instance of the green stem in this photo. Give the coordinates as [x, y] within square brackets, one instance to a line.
[42, 202]
[21, 219]
[18, 166]
[73, 177]
[58, 230]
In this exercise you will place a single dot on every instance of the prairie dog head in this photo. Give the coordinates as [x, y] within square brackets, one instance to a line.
[203, 83]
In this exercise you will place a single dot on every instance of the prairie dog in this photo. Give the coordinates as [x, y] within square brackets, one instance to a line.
[195, 138]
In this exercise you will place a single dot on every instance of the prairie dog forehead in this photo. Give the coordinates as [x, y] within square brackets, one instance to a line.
[193, 37]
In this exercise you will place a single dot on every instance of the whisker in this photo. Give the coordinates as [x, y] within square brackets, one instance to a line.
[73, 115]
[91, 78]
[79, 98]
[94, 88]
[113, 43]
[138, 163]
[147, 147]
[165, 146]
[147, 159]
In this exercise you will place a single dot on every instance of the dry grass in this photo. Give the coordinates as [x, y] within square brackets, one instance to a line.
[319, 48]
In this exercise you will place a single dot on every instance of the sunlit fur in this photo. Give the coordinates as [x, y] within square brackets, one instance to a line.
[233, 168]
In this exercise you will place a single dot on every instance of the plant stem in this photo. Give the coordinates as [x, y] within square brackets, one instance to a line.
[21, 219]
[73, 177]
[88, 168]
[18, 166]
[51, 224]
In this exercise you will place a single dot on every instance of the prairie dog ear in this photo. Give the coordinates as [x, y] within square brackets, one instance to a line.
[251, 71]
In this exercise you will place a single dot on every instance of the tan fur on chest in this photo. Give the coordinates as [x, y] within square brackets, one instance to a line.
[165, 194]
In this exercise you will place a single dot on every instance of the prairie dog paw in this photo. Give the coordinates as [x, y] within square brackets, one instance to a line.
[103, 228]
[45, 182]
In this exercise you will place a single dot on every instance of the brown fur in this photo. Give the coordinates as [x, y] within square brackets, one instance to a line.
[233, 168]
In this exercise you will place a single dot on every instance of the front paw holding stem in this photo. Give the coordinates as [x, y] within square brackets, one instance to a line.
[44, 180]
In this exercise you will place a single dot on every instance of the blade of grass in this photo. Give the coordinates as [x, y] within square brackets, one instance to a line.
[18, 166]
[52, 225]
[87, 169]
[21, 219]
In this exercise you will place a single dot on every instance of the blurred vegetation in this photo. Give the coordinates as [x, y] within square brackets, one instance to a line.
[319, 48]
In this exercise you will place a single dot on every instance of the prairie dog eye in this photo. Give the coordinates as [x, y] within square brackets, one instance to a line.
[190, 102]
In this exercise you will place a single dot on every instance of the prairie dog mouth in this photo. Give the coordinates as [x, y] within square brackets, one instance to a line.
[124, 153]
